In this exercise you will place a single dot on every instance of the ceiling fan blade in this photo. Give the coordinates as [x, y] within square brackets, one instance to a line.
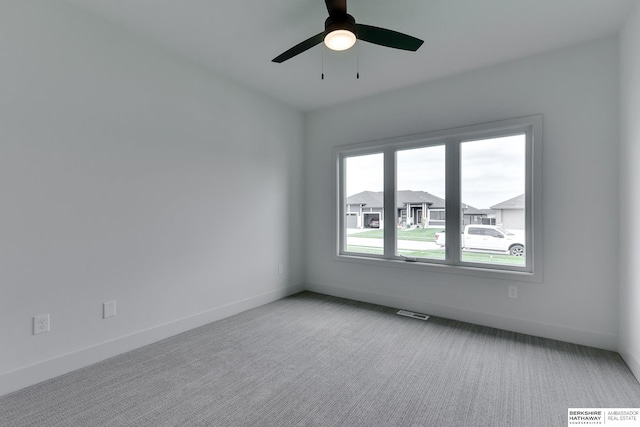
[299, 48]
[389, 38]
[336, 6]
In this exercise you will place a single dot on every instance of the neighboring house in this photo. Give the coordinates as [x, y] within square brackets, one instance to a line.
[471, 215]
[489, 218]
[419, 208]
[365, 210]
[510, 213]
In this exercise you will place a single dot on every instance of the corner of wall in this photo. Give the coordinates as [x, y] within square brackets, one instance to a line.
[630, 360]
[629, 182]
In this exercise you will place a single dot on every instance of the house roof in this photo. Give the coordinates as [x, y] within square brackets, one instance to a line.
[374, 199]
[470, 210]
[514, 203]
[371, 199]
[408, 196]
[487, 212]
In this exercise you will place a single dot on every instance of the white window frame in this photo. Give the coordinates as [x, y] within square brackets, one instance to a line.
[531, 126]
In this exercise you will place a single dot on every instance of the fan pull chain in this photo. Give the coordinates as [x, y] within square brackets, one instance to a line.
[322, 61]
[357, 60]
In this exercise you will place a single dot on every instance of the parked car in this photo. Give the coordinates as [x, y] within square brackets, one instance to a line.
[374, 223]
[489, 238]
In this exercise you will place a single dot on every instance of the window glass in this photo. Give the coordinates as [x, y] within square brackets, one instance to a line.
[420, 203]
[493, 173]
[493, 233]
[437, 215]
[364, 212]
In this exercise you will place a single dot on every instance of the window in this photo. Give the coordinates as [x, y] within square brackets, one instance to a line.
[420, 189]
[437, 215]
[465, 200]
[492, 174]
[363, 205]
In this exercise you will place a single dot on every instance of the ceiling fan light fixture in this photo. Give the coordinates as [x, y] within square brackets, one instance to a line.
[341, 32]
[340, 39]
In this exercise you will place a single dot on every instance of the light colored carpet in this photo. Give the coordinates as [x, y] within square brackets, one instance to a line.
[314, 360]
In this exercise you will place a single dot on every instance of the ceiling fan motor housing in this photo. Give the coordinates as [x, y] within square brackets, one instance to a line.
[340, 21]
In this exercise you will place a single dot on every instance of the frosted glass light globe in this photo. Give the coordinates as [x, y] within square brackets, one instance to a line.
[340, 39]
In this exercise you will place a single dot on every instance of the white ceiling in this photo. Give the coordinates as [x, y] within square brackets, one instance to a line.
[239, 38]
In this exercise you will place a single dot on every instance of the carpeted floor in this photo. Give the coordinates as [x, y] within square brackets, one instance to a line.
[314, 360]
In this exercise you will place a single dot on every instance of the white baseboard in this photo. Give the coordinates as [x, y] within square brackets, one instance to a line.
[628, 357]
[33, 374]
[561, 333]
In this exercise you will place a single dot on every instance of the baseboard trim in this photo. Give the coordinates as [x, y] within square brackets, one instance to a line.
[628, 357]
[29, 375]
[561, 333]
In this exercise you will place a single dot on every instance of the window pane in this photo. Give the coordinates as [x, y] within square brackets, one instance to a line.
[363, 207]
[493, 200]
[420, 214]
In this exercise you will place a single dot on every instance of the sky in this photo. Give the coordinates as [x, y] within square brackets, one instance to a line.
[492, 171]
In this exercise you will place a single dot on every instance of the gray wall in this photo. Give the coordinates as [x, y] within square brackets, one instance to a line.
[629, 345]
[129, 173]
[576, 89]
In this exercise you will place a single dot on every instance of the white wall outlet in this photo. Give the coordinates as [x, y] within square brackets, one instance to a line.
[280, 268]
[513, 292]
[41, 323]
[108, 309]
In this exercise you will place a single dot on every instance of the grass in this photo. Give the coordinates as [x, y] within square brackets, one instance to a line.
[428, 235]
[417, 234]
[429, 253]
[487, 258]
[479, 257]
[365, 250]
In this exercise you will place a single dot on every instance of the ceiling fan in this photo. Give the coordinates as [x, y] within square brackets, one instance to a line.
[341, 31]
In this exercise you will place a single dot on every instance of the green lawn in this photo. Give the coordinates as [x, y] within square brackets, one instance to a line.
[486, 258]
[418, 234]
[365, 249]
[429, 253]
[479, 257]
[428, 235]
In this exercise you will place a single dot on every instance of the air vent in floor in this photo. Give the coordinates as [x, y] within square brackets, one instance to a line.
[412, 314]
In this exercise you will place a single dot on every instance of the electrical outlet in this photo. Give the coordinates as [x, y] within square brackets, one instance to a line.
[280, 268]
[513, 292]
[108, 309]
[41, 324]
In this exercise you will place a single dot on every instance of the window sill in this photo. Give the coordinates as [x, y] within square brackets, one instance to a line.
[485, 273]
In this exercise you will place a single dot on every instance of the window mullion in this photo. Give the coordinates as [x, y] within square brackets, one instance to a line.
[389, 203]
[342, 228]
[452, 202]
